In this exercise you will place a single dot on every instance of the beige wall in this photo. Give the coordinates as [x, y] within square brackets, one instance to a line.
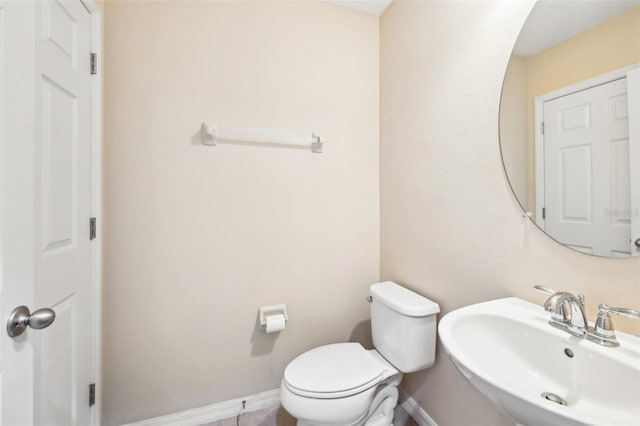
[609, 46]
[198, 238]
[450, 226]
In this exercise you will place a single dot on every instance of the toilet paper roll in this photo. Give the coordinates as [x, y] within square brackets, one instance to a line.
[275, 323]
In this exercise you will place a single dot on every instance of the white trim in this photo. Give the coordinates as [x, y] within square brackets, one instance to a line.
[415, 411]
[214, 412]
[633, 99]
[96, 207]
[2, 130]
[538, 118]
[539, 160]
[259, 401]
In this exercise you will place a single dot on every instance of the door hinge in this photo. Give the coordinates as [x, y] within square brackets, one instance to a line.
[92, 228]
[544, 212]
[542, 127]
[92, 394]
[94, 63]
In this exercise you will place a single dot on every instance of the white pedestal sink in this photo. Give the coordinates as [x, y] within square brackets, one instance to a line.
[510, 353]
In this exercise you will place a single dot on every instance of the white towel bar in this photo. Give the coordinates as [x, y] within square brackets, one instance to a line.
[211, 135]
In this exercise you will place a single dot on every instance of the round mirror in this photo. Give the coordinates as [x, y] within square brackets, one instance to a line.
[569, 123]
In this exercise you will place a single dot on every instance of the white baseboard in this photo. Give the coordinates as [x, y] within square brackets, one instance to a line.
[214, 412]
[235, 407]
[415, 411]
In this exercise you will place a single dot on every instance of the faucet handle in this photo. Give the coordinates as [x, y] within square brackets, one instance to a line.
[544, 290]
[604, 325]
[551, 292]
[625, 312]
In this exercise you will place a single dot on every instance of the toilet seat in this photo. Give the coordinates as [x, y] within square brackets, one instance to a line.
[334, 371]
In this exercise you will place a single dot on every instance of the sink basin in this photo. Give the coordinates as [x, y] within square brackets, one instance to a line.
[510, 353]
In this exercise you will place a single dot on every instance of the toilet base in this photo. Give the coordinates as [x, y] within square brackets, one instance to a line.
[380, 411]
[383, 406]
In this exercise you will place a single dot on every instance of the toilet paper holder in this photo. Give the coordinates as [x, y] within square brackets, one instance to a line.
[267, 311]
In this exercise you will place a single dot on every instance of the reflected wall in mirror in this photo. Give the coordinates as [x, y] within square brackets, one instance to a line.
[570, 123]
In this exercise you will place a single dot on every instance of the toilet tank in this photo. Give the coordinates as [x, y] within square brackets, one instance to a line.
[403, 325]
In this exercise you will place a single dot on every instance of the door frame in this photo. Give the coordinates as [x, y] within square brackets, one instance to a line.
[633, 86]
[96, 202]
[539, 101]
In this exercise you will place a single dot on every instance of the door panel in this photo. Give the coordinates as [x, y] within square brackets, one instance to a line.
[620, 183]
[59, 146]
[60, 29]
[57, 358]
[575, 186]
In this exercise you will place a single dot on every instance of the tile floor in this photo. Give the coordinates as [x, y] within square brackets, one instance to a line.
[277, 416]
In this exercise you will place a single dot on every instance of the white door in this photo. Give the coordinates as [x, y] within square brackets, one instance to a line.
[586, 154]
[45, 208]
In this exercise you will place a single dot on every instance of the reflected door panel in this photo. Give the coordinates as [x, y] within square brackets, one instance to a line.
[586, 155]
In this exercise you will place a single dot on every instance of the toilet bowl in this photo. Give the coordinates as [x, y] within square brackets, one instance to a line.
[336, 385]
[345, 384]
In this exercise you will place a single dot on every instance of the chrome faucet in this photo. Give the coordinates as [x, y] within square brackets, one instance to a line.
[576, 321]
[568, 315]
[563, 313]
[567, 310]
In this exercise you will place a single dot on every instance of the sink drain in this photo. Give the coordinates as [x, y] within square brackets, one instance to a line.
[553, 398]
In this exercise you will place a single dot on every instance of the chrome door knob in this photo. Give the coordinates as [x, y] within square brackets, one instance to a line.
[21, 318]
[637, 242]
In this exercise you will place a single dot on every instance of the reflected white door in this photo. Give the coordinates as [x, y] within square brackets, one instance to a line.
[45, 202]
[586, 154]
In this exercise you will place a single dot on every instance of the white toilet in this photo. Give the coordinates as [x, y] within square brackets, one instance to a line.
[347, 385]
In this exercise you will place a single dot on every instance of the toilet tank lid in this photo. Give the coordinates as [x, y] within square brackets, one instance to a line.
[403, 300]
